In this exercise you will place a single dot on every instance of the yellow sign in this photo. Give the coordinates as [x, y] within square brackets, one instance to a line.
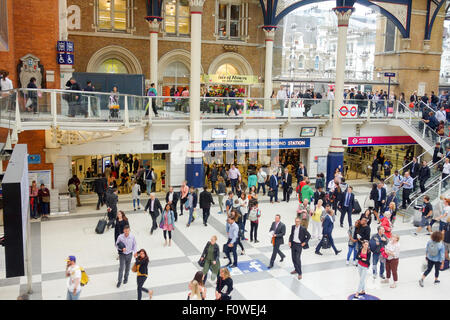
[229, 79]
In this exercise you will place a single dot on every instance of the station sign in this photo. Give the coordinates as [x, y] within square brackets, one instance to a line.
[379, 141]
[348, 111]
[255, 144]
[389, 74]
[65, 53]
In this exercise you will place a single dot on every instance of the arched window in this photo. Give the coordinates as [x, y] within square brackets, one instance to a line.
[227, 69]
[301, 62]
[316, 63]
[112, 66]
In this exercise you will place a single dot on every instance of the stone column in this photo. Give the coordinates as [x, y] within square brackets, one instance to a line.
[66, 71]
[194, 161]
[270, 36]
[154, 30]
[336, 150]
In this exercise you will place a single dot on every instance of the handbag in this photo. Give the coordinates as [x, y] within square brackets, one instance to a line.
[290, 190]
[46, 199]
[29, 103]
[201, 262]
[325, 242]
[134, 267]
[271, 193]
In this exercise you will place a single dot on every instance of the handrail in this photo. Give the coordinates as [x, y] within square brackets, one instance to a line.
[427, 191]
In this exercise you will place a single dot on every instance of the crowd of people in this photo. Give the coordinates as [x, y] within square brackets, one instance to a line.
[315, 219]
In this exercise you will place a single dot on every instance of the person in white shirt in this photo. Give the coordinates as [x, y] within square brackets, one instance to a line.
[73, 274]
[6, 83]
[262, 177]
[330, 95]
[441, 115]
[445, 172]
[281, 97]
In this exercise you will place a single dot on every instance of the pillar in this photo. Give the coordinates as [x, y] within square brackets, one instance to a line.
[269, 32]
[154, 30]
[336, 150]
[194, 161]
[66, 71]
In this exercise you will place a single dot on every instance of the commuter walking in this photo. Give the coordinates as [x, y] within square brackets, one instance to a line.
[191, 204]
[435, 256]
[197, 287]
[234, 175]
[172, 199]
[100, 186]
[126, 244]
[277, 230]
[111, 200]
[221, 191]
[392, 250]
[167, 223]
[427, 213]
[316, 220]
[352, 243]
[377, 244]
[210, 259]
[73, 275]
[254, 216]
[184, 191]
[286, 183]
[155, 208]
[273, 187]
[233, 238]
[347, 204]
[298, 240]
[121, 222]
[205, 201]
[363, 257]
[142, 273]
[408, 186]
[136, 195]
[424, 175]
[327, 230]
[224, 285]
[214, 178]
[262, 178]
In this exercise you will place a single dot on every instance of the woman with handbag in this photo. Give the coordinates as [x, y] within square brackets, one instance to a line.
[141, 267]
[210, 259]
[224, 285]
[392, 251]
[197, 287]
[136, 195]
[44, 202]
[167, 223]
[34, 191]
[363, 257]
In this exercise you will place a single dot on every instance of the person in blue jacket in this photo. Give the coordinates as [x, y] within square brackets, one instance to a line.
[327, 230]
[191, 204]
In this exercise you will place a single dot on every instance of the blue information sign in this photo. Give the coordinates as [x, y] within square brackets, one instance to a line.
[389, 74]
[65, 52]
[65, 58]
[34, 159]
[254, 144]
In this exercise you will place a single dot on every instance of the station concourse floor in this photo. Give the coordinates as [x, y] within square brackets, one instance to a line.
[171, 268]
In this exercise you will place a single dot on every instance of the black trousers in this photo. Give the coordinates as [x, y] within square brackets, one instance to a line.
[165, 234]
[233, 249]
[346, 210]
[100, 201]
[286, 194]
[406, 200]
[205, 214]
[174, 208]
[378, 206]
[253, 230]
[431, 263]
[276, 250]
[296, 250]
[140, 288]
[374, 174]
[154, 224]
[422, 185]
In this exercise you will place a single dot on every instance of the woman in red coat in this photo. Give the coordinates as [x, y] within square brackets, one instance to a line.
[386, 224]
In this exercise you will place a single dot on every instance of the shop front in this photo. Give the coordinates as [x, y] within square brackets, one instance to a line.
[361, 151]
[250, 155]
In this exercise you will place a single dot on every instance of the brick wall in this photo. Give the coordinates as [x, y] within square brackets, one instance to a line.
[35, 141]
[33, 28]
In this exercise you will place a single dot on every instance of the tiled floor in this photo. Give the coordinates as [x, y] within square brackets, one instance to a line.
[171, 268]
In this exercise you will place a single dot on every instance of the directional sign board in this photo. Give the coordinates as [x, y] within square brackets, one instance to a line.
[348, 111]
[389, 74]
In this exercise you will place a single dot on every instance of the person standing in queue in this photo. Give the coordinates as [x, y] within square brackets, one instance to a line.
[126, 244]
[172, 199]
[205, 202]
[298, 240]
[155, 208]
[142, 273]
[278, 230]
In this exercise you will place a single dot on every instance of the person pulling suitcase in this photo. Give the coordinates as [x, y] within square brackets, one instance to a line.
[111, 202]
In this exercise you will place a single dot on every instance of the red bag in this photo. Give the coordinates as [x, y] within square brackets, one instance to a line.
[411, 105]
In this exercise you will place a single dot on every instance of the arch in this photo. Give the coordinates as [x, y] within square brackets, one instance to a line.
[235, 59]
[398, 11]
[115, 52]
[177, 55]
[432, 12]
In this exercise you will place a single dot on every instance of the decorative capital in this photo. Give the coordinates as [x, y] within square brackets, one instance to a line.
[269, 32]
[196, 6]
[343, 14]
[153, 23]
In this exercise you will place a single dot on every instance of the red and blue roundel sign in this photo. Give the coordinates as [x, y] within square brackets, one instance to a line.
[348, 111]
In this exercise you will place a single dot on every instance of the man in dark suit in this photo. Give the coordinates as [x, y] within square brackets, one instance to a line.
[172, 199]
[214, 177]
[287, 184]
[424, 175]
[346, 204]
[100, 185]
[205, 204]
[154, 207]
[414, 171]
[279, 230]
[374, 170]
[380, 200]
[298, 240]
[327, 230]
[273, 186]
[301, 173]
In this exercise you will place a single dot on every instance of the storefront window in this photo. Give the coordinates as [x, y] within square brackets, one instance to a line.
[112, 66]
[112, 15]
[177, 17]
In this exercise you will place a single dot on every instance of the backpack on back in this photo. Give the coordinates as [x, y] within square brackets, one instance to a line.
[433, 249]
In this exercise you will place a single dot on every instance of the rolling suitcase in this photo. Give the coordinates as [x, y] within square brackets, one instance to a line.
[101, 225]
